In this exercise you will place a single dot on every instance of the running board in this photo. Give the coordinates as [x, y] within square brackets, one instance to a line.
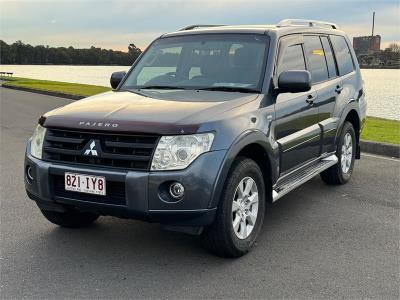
[298, 178]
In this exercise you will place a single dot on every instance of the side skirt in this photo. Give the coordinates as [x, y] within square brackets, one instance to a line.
[301, 176]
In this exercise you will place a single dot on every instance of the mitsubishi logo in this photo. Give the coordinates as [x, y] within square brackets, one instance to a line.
[92, 149]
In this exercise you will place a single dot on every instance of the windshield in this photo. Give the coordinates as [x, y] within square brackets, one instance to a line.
[228, 62]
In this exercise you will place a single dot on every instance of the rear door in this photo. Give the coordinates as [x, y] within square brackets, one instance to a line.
[327, 84]
[296, 127]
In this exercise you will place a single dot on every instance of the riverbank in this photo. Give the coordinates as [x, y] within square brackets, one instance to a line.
[375, 129]
[381, 130]
[76, 90]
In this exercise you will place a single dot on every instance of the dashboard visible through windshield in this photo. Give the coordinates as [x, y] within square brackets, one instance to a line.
[227, 62]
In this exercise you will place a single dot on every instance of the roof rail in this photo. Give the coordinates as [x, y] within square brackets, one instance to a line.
[190, 27]
[303, 22]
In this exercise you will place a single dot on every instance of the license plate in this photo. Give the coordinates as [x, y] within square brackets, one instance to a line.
[85, 183]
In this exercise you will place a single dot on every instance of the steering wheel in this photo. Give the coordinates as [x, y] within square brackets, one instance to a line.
[162, 79]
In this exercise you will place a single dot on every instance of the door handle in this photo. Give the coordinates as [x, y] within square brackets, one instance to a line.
[338, 89]
[310, 99]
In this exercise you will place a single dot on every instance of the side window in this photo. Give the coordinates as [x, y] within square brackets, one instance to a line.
[292, 58]
[316, 58]
[342, 53]
[330, 61]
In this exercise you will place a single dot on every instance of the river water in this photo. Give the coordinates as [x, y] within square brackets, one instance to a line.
[382, 87]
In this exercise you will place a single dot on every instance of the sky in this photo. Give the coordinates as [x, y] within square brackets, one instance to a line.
[114, 24]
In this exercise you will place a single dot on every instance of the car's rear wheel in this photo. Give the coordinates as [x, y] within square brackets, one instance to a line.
[70, 219]
[346, 153]
[240, 212]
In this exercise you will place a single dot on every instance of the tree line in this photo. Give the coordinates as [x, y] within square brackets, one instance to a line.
[25, 54]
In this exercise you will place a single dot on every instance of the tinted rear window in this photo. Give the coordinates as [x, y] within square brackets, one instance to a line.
[330, 61]
[342, 53]
[316, 58]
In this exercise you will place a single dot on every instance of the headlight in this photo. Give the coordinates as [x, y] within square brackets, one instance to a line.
[37, 141]
[177, 152]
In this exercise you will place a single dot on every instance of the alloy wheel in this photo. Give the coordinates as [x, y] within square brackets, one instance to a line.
[245, 208]
[347, 153]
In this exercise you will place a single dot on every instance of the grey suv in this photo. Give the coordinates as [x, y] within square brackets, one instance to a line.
[209, 126]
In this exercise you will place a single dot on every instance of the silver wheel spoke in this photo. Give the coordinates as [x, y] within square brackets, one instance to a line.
[253, 199]
[240, 189]
[249, 185]
[235, 206]
[243, 229]
[236, 222]
[251, 218]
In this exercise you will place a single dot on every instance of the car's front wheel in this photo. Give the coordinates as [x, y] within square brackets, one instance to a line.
[240, 212]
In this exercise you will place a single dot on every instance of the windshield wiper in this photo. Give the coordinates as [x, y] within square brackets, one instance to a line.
[230, 89]
[161, 87]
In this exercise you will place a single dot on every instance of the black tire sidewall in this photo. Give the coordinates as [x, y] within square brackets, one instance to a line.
[246, 168]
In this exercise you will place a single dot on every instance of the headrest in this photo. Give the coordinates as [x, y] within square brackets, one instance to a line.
[244, 57]
[211, 65]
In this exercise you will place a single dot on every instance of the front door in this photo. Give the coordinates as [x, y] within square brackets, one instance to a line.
[296, 127]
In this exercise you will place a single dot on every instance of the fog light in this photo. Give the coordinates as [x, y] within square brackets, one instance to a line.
[29, 174]
[176, 190]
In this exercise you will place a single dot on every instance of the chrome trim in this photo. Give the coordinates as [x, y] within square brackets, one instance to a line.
[301, 143]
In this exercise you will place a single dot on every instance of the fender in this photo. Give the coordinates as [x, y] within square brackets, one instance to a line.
[248, 137]
[351, 105]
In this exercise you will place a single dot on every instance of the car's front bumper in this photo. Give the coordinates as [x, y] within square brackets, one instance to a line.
[143, 190]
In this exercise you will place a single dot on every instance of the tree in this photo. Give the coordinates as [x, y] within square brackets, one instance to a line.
[134, 51]
[394, 47]
[20, 53]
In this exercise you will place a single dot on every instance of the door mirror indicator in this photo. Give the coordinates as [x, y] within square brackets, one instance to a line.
[294, 81]
[116, 78]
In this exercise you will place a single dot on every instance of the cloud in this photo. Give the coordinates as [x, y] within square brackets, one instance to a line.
[116, 23]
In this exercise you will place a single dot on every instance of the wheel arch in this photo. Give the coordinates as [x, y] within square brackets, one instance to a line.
[352, 116]
[254, 145]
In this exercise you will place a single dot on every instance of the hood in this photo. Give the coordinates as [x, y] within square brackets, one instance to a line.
[157, 112]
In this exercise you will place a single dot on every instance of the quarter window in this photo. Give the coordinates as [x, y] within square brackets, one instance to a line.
[342, 53]
[316, 58]
[292, 59]
[330, 61]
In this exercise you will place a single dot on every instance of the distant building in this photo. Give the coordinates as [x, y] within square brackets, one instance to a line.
[364, 45]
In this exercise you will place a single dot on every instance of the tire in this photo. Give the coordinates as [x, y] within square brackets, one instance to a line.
[341, 172]
[70, 219]
[221, 238]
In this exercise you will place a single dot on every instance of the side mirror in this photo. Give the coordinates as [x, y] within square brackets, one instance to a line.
[116, 78]
[294, 81]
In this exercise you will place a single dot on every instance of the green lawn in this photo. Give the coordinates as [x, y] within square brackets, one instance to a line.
[55, 86]
[375, 129]
[381, 130]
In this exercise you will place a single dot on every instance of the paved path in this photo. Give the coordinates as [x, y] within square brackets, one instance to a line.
[317, 242]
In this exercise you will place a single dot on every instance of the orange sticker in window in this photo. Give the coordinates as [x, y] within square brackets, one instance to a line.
[318, 52]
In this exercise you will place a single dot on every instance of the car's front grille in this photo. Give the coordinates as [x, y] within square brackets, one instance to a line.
[101, 149]
[115, 192]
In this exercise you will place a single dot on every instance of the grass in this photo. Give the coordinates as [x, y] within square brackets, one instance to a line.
[55, 86]
[375, 129]
[381, 130]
